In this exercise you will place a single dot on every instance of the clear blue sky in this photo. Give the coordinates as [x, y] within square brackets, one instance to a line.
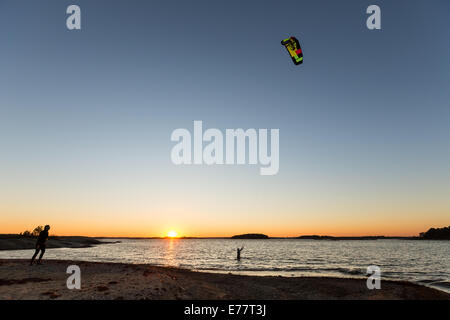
[86, 116]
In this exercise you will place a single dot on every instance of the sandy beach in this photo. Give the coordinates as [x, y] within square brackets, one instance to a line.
[112, 281]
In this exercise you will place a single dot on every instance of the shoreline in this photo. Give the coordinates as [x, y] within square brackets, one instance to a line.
[8, 243]
[289, 274]
[100, 280]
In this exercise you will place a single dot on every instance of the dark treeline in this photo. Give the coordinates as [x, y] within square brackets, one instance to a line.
[436, 234]
[431, 234]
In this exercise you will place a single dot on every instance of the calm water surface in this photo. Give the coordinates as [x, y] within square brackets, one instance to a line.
[426, 262]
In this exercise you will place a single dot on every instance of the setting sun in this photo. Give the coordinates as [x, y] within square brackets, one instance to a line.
[172, 234]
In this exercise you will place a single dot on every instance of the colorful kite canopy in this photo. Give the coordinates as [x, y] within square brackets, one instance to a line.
[295, 51]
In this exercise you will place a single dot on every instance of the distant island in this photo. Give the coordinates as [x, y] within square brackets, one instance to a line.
[250, 236]
[315, 237]
[431, 234]
[27, 239]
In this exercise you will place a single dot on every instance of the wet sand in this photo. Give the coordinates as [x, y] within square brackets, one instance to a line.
[112, 281]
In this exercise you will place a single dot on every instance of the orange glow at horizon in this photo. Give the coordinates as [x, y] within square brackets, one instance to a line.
[63, 229]
[195, 221]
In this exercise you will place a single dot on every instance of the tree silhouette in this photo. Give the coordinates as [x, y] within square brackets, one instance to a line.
[437, 234]
[37, 230]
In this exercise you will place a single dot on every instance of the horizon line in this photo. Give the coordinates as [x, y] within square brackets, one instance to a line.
[226, 237]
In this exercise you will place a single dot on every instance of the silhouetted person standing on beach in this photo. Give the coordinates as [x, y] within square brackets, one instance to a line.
[239, 253]
[40, 244]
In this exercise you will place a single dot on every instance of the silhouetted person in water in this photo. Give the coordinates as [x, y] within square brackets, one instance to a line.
[40, 244]
[239, 253]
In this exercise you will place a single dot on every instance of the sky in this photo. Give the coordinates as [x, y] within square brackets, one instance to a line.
[86, 117]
